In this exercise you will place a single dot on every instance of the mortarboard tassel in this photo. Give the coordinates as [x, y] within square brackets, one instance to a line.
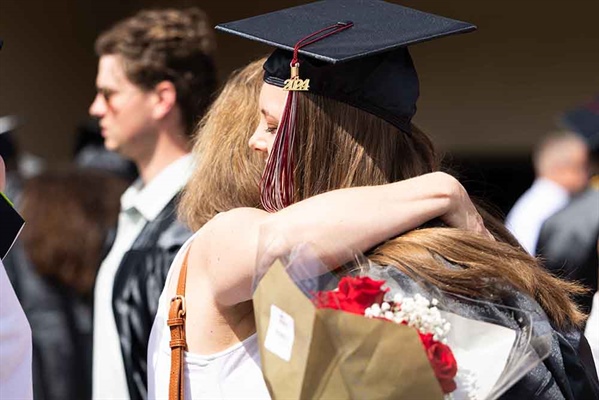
[277, 183]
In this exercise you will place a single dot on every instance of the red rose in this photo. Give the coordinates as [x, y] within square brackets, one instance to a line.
[327, 299]
[426, 339]
[442, 360]
[354, 295]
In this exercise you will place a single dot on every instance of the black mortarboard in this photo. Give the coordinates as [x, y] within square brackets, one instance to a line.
[585, 121]
[367, 66]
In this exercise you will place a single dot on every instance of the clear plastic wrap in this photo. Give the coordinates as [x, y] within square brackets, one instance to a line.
[495, 345]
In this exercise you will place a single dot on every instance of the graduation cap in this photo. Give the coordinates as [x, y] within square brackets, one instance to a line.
[584, 120]
[352, 51]
[366, 65]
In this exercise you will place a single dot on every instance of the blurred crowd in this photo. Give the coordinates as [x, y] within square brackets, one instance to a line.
[101, 233]
[71, 218]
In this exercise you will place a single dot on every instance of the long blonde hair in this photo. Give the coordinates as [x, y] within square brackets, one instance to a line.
[341, 146]
[227, 172]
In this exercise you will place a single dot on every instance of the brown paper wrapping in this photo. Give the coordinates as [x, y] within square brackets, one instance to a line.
[338, 355]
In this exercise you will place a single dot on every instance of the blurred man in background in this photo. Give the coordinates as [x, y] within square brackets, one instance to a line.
[155, 80]
[561, 169]
[569, 240]
[568, 243]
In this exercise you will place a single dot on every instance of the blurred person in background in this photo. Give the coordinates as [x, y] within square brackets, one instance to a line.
[569, 240]
[568, 243]
[69, 215]
[561, 168]
[15, 335]
[60, 313]
[568, 247]
[155, 79]
[9, 152]
[19, 164]
[89, 152]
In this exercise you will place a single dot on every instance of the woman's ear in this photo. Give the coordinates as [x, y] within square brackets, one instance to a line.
[165, 99]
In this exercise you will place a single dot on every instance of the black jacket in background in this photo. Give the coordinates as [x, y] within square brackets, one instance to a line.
[568, 243]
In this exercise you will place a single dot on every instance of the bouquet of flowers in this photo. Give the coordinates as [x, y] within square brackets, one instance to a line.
[364, 296]
[375, 333]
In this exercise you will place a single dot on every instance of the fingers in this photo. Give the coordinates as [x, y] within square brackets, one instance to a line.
[462, 212]
[488, 235]
[464, 215]
[478, 224]
[482, 229]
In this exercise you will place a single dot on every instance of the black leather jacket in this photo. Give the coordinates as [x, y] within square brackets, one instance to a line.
[568, 373]
[138, 284]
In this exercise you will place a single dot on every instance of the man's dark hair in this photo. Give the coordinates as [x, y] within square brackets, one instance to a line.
[172, 45]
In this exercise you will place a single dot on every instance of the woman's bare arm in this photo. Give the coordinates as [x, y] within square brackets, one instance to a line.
[226, 248]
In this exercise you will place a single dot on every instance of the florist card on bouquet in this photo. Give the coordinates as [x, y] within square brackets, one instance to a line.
[315, 353]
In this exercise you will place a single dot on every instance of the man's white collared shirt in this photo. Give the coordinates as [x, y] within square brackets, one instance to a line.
[139, 205]
[543, 199]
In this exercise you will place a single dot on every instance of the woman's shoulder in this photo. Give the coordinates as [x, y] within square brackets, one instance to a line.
[227, 222]
[236, 213]
[225, 227]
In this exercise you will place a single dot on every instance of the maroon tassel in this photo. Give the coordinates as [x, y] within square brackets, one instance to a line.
[277, 183]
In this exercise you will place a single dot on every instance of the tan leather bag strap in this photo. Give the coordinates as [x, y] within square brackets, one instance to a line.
[178, 344]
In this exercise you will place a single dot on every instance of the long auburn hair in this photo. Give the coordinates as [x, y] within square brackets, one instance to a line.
[339, 146]
[227, 172]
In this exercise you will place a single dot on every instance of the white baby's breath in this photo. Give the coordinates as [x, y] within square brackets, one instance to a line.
[416, 311]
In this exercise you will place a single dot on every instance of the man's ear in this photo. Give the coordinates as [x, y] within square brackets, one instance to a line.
[165, 99]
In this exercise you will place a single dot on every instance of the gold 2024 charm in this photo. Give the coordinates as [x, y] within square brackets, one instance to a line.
[295, 83]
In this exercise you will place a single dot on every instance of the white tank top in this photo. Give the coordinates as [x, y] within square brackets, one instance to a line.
[230, 374]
